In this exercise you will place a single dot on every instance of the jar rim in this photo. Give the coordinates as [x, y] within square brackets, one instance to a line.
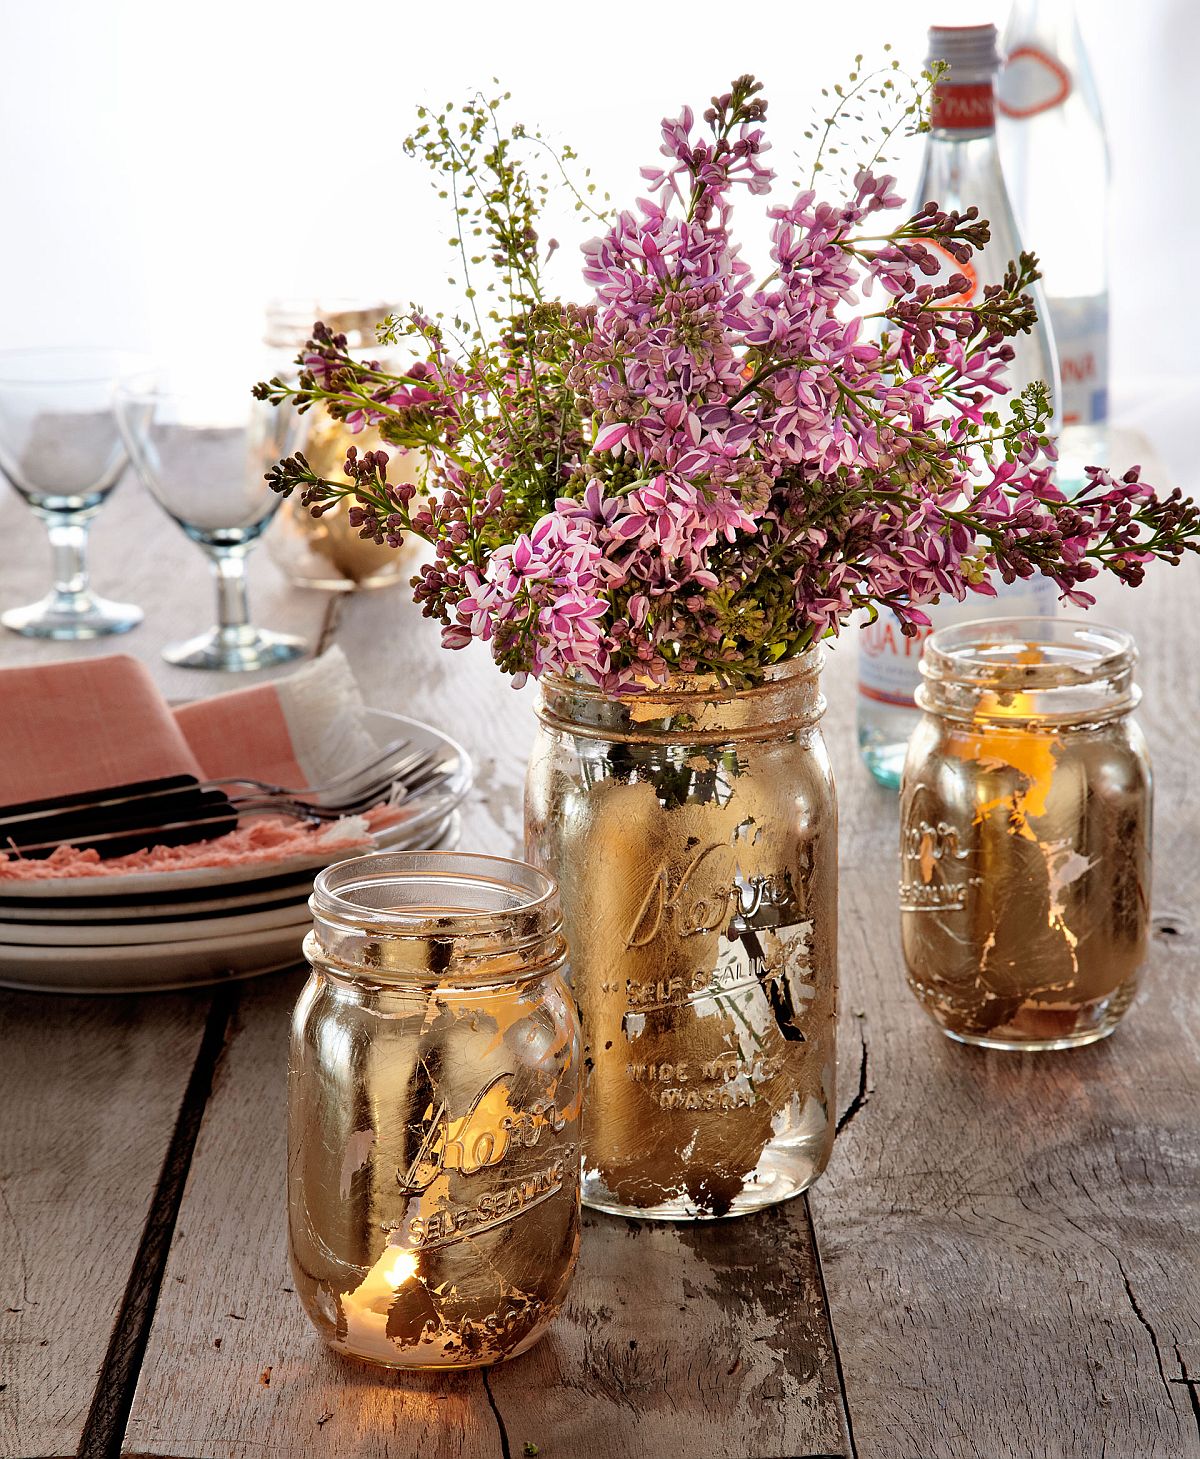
[1027, 653]
[484, 894]
[707, 687]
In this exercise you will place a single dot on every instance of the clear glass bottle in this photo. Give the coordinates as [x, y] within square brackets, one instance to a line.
[434, 1098]
[1051, 132]
[693, 831]
[326, 551]
[1025, 823]
[961, 169]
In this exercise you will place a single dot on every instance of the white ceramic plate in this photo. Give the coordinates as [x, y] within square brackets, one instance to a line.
[156, 886]
[204, 901]
[152, 968]
[158, 934]
[243, 948]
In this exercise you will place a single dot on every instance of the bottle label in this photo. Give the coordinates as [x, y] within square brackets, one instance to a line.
[950, 266]
[967, 108]
[889, 664]
[1081, 334]
[1033, 81]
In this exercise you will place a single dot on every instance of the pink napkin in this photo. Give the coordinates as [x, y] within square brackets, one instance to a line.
[244, 732]
[83, 726]
[86, 725]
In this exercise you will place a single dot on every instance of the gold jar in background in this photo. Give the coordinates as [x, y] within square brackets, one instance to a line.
[693, 832]
[433, 1111]
[326, 551]
[1025, 815]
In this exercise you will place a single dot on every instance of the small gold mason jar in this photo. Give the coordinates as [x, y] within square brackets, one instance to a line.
[1025, 815]
[693, 831]
[433, 1111]
[326, 551]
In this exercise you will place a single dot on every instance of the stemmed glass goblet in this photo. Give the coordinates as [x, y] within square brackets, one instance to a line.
[61, 450]
[203, 458]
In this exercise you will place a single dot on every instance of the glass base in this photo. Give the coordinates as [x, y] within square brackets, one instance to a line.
[72, 616]
[883, 731]
[783, 1174]
[885, 762]
[1037, 1028]
[235, 651]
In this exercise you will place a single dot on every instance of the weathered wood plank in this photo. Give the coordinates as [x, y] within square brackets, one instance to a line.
[754, 1375]
[1010, 1241]
[675, 1342]
[89, 1094]
[684, 1341]
[227, 1314]
[397, 657]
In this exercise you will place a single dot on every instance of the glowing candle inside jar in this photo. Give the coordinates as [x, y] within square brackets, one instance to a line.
[366, 1307]
[1030, 749]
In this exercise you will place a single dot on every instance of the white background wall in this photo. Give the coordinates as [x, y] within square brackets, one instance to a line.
[165, 168]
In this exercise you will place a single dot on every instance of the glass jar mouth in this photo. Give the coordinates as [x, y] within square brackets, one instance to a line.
[454, 896]
[1036, 669]
[690, 708]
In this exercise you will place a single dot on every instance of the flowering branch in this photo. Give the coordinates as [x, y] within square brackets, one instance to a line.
[694, 472]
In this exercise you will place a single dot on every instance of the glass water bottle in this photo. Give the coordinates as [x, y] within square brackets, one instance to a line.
[961, 170]
[1051, 133]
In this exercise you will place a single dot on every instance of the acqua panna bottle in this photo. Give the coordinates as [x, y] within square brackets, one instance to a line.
[1051, 133]
[961, 169]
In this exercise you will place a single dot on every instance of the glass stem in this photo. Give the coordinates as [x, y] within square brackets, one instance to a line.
[68, 546]
[233, 607]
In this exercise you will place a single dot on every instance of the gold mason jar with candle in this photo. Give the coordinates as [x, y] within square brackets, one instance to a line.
[693, 830]
[326, 551]
[433, 1111]
[1025, 815]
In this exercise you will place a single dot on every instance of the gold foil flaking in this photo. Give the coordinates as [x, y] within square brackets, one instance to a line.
[699, 906]
[452, 1242]
[330, 537]
[1025, 869]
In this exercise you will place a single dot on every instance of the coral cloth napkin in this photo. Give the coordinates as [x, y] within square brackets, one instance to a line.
[86, 725]
[83, 726]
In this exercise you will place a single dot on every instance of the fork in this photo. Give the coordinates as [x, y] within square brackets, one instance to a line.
[119, 796]
[417, 775]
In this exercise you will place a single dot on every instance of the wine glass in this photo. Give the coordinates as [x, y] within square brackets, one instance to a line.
[202, 456]
[62, 451]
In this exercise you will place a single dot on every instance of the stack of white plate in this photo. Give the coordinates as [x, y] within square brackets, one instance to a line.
[148, 931]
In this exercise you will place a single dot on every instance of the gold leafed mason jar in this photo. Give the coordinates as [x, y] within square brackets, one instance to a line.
[326, 551]
[1025, 814]
[693, 831]
[433, 1111]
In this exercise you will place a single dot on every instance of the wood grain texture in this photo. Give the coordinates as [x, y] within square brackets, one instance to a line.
[397, 657]
[675, 1342]
[89, 1094]
[1011, 1243]
[1008, 1243]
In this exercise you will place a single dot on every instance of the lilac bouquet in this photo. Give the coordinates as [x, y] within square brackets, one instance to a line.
[696, 472]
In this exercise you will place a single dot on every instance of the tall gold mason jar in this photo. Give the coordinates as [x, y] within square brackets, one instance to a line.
[693, 831]
[1025, 814]
[433, 1111]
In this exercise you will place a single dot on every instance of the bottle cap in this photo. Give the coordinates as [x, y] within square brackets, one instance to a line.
[971, 51]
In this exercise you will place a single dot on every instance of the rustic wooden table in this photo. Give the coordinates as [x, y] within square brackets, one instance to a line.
[1001, 1260]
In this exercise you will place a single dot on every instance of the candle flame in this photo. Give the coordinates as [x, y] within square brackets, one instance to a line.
[402, 1269]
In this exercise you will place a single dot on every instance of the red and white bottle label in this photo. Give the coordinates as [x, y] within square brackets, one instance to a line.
[970, 107]
[889, 664]
[1032, 81]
